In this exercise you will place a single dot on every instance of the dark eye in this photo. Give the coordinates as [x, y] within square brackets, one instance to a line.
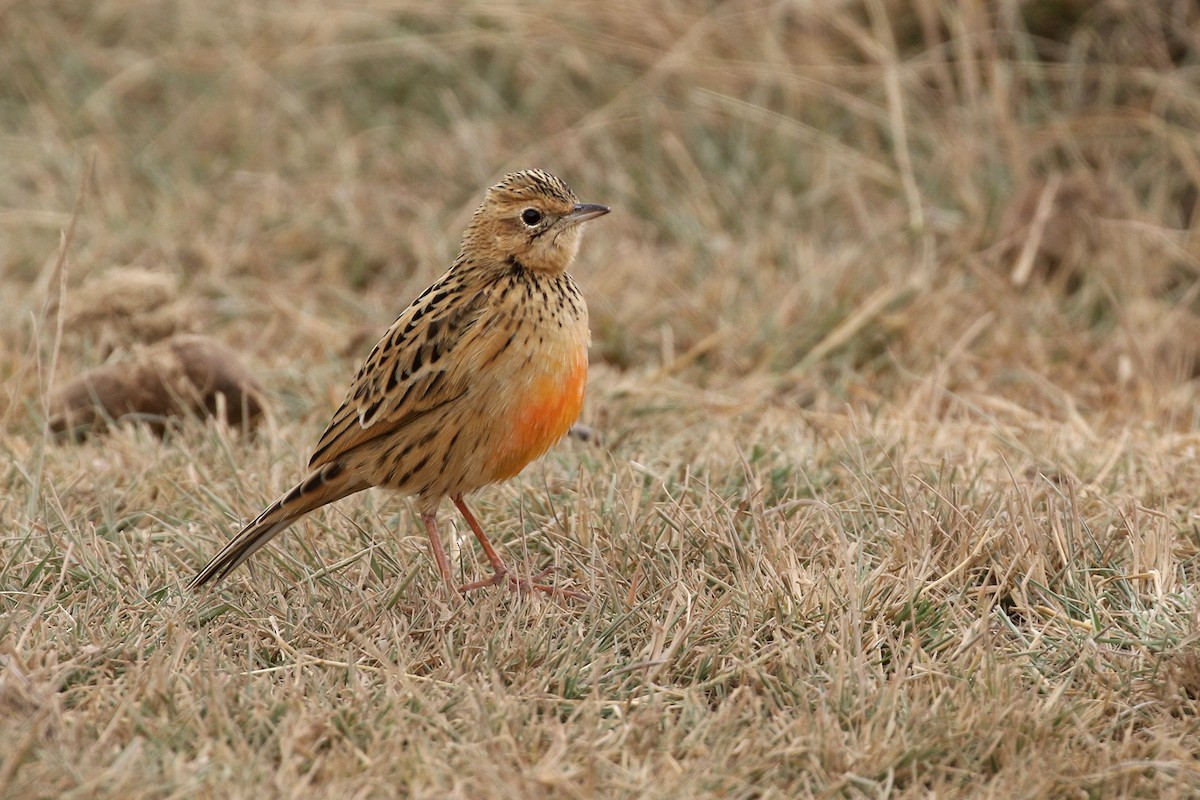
[531, 216]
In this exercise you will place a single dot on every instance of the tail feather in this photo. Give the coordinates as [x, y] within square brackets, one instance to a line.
[323, 486]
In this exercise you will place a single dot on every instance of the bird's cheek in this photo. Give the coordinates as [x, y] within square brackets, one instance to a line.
[567, 245]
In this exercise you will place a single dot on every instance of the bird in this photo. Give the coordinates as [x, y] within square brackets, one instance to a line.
[477, 377]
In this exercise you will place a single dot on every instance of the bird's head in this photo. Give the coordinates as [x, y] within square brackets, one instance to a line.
[532, 217]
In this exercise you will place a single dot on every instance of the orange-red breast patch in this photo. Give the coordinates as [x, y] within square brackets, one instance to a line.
[544, 415]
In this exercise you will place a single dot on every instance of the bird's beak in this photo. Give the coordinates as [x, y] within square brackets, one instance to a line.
[582, 212]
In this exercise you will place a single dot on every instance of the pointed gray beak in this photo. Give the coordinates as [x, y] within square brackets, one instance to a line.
[582, 212]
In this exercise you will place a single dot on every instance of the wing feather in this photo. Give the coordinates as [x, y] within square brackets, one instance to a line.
[414, 370]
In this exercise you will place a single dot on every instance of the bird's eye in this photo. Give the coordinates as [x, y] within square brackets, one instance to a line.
[531, 216]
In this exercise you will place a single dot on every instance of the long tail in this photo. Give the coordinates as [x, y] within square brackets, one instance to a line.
[323, 486]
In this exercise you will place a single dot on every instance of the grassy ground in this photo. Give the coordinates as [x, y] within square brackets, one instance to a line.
[896, 326]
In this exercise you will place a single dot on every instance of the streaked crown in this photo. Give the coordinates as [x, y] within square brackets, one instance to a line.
[534, 184]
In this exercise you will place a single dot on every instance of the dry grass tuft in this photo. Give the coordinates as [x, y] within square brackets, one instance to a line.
[125, 305]
[894, 486]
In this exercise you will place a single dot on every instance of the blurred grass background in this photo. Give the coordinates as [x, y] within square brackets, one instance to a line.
[896, 329]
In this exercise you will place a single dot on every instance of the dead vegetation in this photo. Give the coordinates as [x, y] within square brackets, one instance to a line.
[894, 491]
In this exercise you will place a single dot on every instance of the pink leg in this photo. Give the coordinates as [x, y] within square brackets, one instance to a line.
[439, 554]
[499, 570]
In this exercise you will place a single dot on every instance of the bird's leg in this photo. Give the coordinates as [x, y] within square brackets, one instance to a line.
[439, 553]
[500, 571]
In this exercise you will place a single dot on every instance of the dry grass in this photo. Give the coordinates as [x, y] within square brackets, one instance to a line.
[895, 351]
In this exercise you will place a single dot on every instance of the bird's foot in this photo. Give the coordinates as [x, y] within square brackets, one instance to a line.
[519, 584]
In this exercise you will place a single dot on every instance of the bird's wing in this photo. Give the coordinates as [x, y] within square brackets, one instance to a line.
[420, 365]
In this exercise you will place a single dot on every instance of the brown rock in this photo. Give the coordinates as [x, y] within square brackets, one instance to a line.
[182, 376]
